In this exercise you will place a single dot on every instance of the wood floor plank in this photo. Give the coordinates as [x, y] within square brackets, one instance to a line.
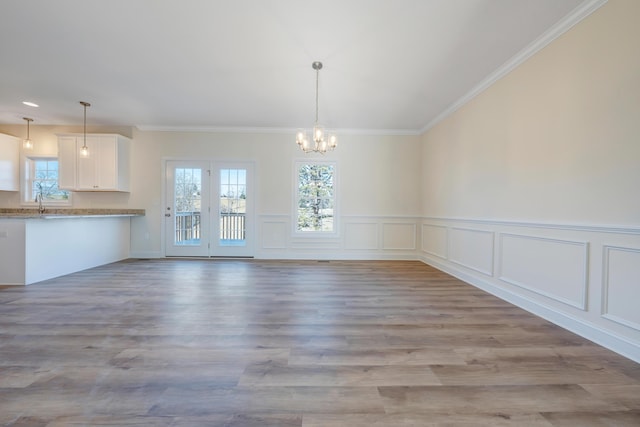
[627, 394]
[489, 399]
[375, 357]
[432, 419]
[594, 419]
[267, 400]
[270, 374]
[506, 373]
[294, 343]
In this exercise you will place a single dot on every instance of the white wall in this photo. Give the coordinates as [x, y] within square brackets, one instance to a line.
[531, 190]
[378, 188]
[556, 140]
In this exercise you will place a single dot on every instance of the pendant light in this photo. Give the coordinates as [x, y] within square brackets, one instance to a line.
[84, 150]
[27, 144]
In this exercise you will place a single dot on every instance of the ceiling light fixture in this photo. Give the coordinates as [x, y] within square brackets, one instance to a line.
[320, 142]
[30, 104]
[84, 150]
[27, 144]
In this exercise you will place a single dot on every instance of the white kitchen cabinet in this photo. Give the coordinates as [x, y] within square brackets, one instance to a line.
[9, 163]
[106, 168]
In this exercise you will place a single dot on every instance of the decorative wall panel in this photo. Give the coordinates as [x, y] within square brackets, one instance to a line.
[621, 299]
[554, 268]
[399, 236]
[274, 234]
[434, 240]
[361, 235]
[472, 249]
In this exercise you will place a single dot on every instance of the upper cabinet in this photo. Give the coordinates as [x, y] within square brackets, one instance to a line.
[9, 163]
[106, 168]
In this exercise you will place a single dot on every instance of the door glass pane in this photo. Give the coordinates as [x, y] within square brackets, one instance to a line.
[188, 204]
[233, 207]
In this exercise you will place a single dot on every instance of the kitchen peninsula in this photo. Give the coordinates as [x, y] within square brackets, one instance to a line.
[38, 246]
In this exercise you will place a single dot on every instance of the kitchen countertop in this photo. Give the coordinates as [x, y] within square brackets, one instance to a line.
[53, 213]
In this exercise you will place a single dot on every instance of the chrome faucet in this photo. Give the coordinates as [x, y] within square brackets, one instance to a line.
[40, 206]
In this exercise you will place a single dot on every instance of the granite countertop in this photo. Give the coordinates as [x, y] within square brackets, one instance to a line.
[52, 213]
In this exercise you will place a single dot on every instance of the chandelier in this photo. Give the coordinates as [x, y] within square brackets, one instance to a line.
[320, 142]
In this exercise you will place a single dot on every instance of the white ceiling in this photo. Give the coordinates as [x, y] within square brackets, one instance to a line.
[389, 65]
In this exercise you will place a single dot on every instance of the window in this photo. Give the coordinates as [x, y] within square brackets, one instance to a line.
[41, 178]
[316, 198]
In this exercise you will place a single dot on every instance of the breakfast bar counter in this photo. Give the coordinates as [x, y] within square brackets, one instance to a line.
[51, 213]
[37, 246]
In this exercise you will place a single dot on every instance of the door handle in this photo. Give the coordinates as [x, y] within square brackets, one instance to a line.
[167, 215]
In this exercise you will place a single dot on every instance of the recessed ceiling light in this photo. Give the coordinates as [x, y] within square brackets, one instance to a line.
[30, 104]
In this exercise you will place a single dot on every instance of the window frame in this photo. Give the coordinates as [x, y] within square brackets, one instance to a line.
[296, 198]
[28, 177]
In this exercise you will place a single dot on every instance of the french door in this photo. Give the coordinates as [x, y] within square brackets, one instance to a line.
[209, 211]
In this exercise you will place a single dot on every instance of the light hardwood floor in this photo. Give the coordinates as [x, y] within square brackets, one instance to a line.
[284, 343]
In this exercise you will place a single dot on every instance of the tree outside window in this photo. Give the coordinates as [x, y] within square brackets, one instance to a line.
[316, 198]
[188, 189]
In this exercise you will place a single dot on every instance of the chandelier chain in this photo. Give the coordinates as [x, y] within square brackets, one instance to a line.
[317, 79]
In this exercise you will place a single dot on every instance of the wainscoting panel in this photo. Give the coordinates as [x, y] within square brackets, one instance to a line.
[361, 236]
[581, 277]
[274, 234]
[472, 249]
[622, 301]
[554, 268]
[434, 240]
[399, 236]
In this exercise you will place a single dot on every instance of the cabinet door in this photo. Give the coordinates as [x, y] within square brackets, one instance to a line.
[87, 166]
[98, 171]
[107, 163]
[9, 163]
[67, 152]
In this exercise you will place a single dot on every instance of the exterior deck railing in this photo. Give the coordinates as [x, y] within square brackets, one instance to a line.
[232, 226]
[188, 226]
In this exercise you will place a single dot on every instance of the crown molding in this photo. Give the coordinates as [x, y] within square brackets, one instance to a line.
[273, 130]
[565, 24]
[210, 129]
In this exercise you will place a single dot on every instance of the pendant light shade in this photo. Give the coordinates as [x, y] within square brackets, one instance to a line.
[84, 150]
[27, 143]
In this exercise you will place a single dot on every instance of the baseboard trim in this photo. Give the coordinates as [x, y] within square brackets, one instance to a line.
[145, 255]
